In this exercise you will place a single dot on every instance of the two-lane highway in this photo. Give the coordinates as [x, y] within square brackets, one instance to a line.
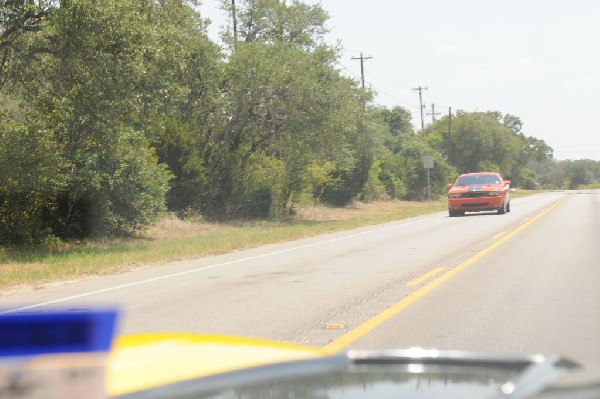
[521, 282]
[537, 292]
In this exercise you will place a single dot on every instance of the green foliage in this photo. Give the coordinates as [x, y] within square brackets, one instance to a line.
[259, 190]
[374, 188]
[348, 183]
[581, 173]
[32, 174]
[317, 176]
[275, 21]
[392, 173]
[527, 179]
[19, 20]
[285, 100]
[399, 126]
[399, 159]
[178, 148]
[353, 156]
[568, 174]
[136, 185]
[488, 141]
[82, 77]
[416, 175]
[125, 194]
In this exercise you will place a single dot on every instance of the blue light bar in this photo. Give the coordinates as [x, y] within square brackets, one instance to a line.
[37, 333]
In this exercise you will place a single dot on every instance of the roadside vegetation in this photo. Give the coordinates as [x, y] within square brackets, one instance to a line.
[114, 113]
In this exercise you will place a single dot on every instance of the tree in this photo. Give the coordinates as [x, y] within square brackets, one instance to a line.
[82, 78]
[183, 102]
[19, 19]
[415, 175]
[275, 21]
[581, 172]
[291, 105]
[288, 108]
[489, 141]
[32, 175]
[177, 147]
[399, 126]
[399, 158]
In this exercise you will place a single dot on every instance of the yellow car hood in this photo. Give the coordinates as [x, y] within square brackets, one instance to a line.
[144, 361]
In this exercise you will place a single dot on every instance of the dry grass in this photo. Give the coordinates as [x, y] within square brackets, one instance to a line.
[322, 214]
[171, 227]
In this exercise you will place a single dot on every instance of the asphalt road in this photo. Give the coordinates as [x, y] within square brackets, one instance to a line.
[525, 282]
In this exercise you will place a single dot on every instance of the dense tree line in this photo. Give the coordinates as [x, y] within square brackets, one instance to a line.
[569, 174]
[114, 111]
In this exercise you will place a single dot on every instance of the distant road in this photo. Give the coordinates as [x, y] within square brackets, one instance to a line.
[527, 281]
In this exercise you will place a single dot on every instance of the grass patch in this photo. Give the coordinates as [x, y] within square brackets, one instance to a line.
[592, 186]
[173, 239]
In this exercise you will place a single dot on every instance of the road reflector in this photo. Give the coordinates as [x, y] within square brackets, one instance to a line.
[335, 326]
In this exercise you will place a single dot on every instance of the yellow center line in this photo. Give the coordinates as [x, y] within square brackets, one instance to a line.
[371, 324]
[499, 235]
[426, 276]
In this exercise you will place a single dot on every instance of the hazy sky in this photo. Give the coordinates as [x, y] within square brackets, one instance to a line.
[538, 60]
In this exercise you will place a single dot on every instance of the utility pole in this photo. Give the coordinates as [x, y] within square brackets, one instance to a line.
[362, 67]
[433, 113]
[420, 90]
[449, 139]
[234, 21]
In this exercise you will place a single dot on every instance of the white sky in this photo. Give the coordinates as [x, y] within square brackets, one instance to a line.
[538, 60]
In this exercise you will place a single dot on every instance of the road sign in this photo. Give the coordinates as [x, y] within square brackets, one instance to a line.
[428, 161]
[428, 164]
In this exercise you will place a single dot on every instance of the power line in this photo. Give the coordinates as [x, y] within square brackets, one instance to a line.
[390, 76]
[397, 99]
[379, 84]
[350, 71]
[378, 89]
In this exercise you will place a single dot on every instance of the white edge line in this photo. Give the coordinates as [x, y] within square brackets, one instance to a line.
[168, 276]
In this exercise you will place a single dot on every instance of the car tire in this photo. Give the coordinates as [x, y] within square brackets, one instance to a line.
[502, 209]
[451, 213]
[508, 207]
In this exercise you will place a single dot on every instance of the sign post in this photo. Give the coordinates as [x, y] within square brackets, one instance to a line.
[428, 163]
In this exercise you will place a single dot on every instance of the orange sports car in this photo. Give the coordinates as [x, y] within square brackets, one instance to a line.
[476, 192]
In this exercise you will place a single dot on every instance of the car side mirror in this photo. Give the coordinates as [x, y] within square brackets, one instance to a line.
[506, 182]
[449, 186]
